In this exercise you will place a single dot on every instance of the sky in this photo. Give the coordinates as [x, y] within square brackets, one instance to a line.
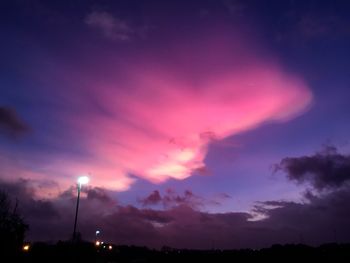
[201, 124]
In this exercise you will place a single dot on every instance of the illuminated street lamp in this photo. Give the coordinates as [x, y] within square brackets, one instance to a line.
[81, 180]
[26, 247]
[96, 234]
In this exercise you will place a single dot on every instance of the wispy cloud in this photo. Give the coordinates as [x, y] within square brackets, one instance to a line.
[110, 26]
[235, 7]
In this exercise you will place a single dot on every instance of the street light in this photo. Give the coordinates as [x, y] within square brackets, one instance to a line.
[81, 180]
[26, 247]
[96, 234]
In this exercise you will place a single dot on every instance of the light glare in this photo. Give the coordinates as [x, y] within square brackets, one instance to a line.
[26, 247]
[83, 180]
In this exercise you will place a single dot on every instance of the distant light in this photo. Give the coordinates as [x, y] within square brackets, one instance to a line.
[102, 242]
[110, 247]
[26, 247]
[97, 232]
[97, 243]
[83, 180]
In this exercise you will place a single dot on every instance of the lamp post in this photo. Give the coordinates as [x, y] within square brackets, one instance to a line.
[97, 242]
[81, 180]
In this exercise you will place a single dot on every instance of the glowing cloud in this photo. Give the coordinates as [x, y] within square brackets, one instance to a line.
[153, 116]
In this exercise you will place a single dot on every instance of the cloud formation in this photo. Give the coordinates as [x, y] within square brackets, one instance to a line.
[172, 199]
[11, 124]
[327, 169]
[325, 219]
[110, 26]
[153, 113]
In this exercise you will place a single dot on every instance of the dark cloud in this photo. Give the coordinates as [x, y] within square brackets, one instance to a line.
[327, 169]
[92, 194]
[153, 199]
[23, 192]
[99, 194]
[11, 124]
[320, 219]
[52, 218]
[187, 198]
[171, 199]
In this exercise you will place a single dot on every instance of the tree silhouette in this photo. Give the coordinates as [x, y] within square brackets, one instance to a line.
[12, 226]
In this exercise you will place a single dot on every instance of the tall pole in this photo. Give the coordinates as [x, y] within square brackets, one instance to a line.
[96, 234]
[76, 213]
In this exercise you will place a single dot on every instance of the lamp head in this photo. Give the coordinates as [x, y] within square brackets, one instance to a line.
[83, 180]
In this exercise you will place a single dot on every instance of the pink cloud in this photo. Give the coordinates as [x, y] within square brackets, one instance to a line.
[158, 112]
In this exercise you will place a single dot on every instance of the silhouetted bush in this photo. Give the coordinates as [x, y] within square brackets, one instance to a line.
[12, 227]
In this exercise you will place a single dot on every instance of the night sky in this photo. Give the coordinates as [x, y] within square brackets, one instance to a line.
[201, 124]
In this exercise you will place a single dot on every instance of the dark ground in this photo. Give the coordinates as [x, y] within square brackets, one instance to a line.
[88, 252]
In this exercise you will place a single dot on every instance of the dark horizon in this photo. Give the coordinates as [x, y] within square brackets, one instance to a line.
[66, 252]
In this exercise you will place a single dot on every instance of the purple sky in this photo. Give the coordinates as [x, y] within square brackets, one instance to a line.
[223, 121]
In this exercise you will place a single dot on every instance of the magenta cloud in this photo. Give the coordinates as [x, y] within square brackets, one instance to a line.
[154, 113]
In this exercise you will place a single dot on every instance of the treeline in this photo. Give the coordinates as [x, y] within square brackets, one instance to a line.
[12, 226]
[88, 252]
